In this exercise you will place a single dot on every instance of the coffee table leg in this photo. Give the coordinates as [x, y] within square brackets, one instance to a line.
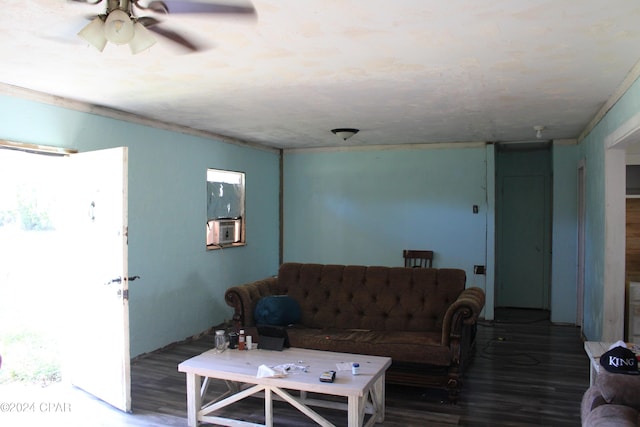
[194, 399]
[378, 398]
[268, 408]
[355, 410]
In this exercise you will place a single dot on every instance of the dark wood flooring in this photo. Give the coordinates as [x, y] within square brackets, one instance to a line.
[524, 373]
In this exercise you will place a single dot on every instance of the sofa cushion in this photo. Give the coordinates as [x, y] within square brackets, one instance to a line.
[619, 389]
[280, 310]
[407, 346]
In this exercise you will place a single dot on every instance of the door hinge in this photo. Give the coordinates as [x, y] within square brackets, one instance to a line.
[124, 294]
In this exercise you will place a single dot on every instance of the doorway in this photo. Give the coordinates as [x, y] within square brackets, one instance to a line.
[78, 297]
[31, 269]
[523, 246]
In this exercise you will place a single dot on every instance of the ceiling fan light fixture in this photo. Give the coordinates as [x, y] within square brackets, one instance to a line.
[118, 28]
[345, 133]
[94, 33]
[142, 39]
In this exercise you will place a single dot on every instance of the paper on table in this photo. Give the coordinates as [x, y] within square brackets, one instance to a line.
[344, 366]
[264, 371]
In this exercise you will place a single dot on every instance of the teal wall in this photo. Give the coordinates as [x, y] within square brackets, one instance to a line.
[366, 206]
[592, 151]
[357, 207]
[181, 289]
[564, 242]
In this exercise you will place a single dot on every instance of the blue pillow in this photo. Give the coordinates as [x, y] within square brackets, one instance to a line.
[280, 310]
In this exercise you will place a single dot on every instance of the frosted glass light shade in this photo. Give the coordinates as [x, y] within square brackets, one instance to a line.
[142, 39]
[93, 33]
[118, 28]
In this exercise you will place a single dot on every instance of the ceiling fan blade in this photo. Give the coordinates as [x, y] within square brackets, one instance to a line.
[178, 6]
[148, 21]
[177, 38]
[94, 16]
[86, 1]
[154, 6]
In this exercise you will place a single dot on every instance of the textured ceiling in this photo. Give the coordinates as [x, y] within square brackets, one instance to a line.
[401, 71]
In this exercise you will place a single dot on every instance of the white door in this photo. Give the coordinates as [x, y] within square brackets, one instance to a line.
[98, 357]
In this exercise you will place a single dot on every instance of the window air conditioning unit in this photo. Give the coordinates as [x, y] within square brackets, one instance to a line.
[223, 231]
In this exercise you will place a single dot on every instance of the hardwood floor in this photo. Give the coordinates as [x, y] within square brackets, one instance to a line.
[523, 374]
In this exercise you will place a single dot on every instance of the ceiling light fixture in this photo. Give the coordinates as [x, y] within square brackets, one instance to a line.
[538, 130]
[345, 133]
[142, 39]
[118, 27]
[93, 33]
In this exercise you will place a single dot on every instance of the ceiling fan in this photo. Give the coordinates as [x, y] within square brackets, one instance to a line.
[120, 24]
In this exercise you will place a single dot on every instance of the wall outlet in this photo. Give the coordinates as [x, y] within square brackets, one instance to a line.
[478, 269]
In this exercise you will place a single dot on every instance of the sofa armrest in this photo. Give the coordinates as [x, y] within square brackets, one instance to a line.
[590, 401]
[619, 389]
[243, 299]
[463, 311]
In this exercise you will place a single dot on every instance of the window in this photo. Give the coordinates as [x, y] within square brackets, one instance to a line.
[225, 208]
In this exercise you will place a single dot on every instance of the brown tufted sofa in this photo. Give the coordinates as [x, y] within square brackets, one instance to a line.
[423, 318]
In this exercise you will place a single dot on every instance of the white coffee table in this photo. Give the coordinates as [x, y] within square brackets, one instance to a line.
[594, 350]
[365, 392]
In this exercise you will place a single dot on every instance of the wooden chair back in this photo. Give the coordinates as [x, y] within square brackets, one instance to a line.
[414, 258]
